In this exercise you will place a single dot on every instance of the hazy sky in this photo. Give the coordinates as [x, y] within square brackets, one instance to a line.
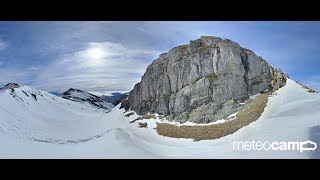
[55, 56]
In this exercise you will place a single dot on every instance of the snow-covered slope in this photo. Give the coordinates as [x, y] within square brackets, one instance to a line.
[290, 115]
[36, 115]
[86, 98]
[37, 124]
[59, 128]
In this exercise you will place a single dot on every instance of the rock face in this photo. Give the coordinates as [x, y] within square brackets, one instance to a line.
[201, 82]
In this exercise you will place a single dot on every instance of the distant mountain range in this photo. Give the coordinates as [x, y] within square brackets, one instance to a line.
[86, 98]
[113, 97]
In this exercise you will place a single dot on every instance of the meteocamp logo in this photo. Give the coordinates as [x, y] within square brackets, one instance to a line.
[274, 146]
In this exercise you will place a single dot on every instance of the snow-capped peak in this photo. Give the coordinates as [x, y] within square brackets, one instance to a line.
[29, 113]
[86, 98]
[22, 93]
[11, 86]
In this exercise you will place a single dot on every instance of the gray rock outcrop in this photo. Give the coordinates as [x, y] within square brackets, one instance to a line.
[278, 79]
[200, 82]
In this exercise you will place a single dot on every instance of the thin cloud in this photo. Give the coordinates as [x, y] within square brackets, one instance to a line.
[34, 68]
[3, 45]
[8, 75]
[100, 66]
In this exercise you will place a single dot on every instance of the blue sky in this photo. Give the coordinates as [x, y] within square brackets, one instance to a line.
[55, 56]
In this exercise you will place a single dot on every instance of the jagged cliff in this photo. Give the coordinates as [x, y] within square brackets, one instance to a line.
[203, 81]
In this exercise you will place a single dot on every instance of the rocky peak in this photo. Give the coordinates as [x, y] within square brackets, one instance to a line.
[85, 97]
[201, 82]
[78, 94]
[73, 90]
[12, 86]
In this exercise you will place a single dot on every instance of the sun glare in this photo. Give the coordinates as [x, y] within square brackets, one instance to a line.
[96, 53]
[95, 56]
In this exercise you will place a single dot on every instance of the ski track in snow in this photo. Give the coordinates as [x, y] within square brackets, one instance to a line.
[62, 141]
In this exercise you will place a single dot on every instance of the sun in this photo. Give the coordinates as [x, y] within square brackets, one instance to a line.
[96, 53]
[95, 56]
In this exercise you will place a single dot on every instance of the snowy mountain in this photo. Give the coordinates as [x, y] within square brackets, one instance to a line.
[86, 98]
[31, 115]
[52, 127]
[114, 97]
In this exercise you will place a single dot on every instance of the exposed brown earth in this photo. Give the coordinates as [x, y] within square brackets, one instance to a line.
[249, 113]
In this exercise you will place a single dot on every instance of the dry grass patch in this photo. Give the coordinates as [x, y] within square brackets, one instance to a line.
[249, 113]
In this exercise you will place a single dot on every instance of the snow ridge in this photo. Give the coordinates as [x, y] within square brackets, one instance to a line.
[86, 98]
